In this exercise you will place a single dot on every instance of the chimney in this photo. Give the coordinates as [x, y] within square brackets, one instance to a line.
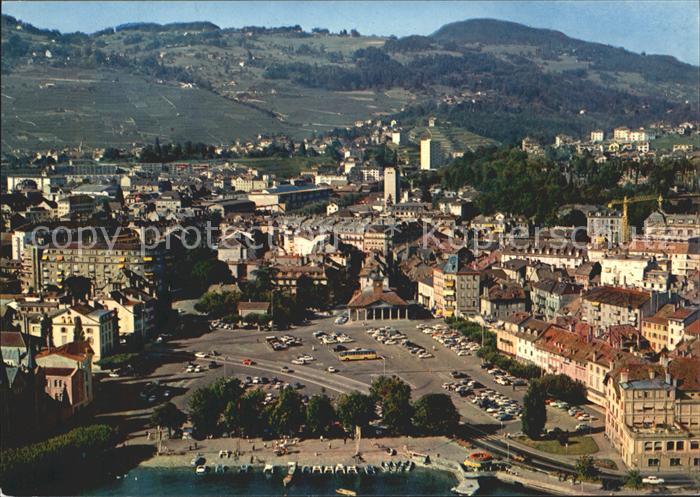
[652, 374]
[668, 377]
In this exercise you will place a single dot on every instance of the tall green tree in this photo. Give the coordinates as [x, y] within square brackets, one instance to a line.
[534, 410]
[252, 413]
[78, 333]
[204, 409]
[168, 416]
[394, 395]
[436, 414]
[355, 409]
[320, 415]
[287, 414]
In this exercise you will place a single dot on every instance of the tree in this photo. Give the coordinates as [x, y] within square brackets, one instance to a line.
[560, 386]
[78, 333]
[435, 414]
[633, 479]
[232, 416]
[534, 410]
[252, 419]
[204, 410]
[320, 415]
[287, 414]
[227, 390]
[585, 468]
[169, 416]
[395, 397]
[46, 330]
[355, 409]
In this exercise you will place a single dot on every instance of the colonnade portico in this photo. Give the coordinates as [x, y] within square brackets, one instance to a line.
[376, 313]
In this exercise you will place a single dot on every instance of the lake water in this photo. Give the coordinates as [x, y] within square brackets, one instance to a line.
[183, 482]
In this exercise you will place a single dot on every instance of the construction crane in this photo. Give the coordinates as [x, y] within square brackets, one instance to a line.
[625, 205]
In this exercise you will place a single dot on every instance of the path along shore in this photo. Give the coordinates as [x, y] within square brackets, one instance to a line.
[445, 454]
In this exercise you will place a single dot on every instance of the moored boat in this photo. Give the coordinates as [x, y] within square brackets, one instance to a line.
[306, 470]
[268, 470]
[201, 470]
[317, 470]
[345, 491]
[328, 470]
[339, 469]
[351, 470]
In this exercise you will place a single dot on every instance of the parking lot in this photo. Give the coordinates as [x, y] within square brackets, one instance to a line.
[425, 354]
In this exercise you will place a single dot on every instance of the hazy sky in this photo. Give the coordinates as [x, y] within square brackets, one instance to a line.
[663, 27]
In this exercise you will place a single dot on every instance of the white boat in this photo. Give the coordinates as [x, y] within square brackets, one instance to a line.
[306, 470]
[269, 470]
[317, 470]
[328, 470]
[291, 468]
[244, 469]
[344, 491]
[370, 470]
[351, 470]
[410, 465]
[202, 469]
[339, 469]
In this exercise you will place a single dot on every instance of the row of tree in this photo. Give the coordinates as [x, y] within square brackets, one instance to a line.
[226, 406]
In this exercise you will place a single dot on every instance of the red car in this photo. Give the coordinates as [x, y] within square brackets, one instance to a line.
[248, 362]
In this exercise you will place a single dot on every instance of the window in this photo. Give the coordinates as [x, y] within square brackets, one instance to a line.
[657, 446]
[675, 461]
[670, 445]
[696, 461]
[680, 445]
[653, 462]
[648, 446]
[694, 445]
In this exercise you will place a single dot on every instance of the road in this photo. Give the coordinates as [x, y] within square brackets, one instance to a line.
[423, 375]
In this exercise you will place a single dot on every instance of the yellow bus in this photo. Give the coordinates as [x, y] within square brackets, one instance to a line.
[357, 355]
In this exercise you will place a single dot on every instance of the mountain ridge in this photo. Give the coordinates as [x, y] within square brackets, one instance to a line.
[499, 79]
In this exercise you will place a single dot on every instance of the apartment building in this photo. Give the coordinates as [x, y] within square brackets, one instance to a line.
[653, 415]
[456, 289]
[107, 266]
[671, 227]
[605, 225]
[99, 328]
[605, 306]
[669, 326]
[68, 372]
[550, 296]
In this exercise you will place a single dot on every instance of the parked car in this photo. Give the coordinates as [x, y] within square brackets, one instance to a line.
[652, 480]
[331, 369]
[200, 355]
[248, 362]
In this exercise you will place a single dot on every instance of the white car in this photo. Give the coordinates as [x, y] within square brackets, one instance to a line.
[306, 358]
[341, 320]
[113, 374]
[331, 369]
[298, 362]
[200, 355]
[652, 480]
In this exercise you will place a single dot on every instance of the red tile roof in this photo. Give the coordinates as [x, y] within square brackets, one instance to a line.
[74, 350]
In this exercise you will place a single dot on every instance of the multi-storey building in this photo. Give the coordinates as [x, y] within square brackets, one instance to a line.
[653, 415]
[668, 327]
[605, 306]
[99, 328]
[550, 296]
[456, 289]
[604, 225]
[392, 186]
[108, 266]
[663, 226]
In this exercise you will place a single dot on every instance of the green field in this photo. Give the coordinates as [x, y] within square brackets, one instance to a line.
[667, 142]
[285, 167]
[578, 445]
[104, 108]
